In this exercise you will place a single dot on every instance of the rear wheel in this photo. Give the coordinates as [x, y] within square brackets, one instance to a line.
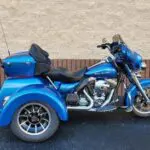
[140, 107]
[34, 122]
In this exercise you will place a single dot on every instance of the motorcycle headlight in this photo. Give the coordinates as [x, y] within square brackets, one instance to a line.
[143, 65]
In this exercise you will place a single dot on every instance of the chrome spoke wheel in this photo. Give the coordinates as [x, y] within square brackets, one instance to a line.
[34, 118]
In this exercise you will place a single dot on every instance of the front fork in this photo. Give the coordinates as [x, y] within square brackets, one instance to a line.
[138, 85]
[140, 88]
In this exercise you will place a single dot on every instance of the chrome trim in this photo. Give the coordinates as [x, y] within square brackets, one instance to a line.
[104, 60]
[49, 79]
[109, 98]
[6, 100]
[143, 65]
[100, 62]
[83, 107]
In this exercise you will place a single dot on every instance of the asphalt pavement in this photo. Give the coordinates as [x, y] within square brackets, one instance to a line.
[90, 131]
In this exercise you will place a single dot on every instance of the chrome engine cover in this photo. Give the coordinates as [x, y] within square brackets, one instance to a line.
[101, 91]
[101, 84]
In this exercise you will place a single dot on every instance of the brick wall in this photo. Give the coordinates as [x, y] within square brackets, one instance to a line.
[73, 28]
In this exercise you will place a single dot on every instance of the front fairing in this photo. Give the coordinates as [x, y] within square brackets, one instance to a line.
[132, 59]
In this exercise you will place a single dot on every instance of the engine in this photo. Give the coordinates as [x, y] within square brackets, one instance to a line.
[91, 92]
[100, 91]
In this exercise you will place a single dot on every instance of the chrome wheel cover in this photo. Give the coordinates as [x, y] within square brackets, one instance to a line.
[34, 118]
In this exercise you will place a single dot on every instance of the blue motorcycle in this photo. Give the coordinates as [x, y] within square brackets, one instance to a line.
[35, 96]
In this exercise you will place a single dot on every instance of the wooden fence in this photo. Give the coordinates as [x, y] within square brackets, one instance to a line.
[76, 64]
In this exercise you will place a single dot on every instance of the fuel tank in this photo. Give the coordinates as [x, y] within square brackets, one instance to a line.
[102, 70]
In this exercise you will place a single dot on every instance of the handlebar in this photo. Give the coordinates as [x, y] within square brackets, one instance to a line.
[104, 46]
[113, 47]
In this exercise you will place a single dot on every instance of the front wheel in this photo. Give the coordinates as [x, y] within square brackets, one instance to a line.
[140, 107]
[34, 122]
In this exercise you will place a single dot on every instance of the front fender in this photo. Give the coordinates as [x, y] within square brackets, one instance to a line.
[132, 91]
[39, 93]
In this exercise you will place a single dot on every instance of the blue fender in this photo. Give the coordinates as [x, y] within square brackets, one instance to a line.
[132, 91]
[29, 93]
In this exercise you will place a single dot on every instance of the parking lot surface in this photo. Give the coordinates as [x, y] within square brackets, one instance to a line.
[90, 131]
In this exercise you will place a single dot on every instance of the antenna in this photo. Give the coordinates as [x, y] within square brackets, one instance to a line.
[4, 37]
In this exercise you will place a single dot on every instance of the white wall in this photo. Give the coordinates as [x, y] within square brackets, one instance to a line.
[73, 28]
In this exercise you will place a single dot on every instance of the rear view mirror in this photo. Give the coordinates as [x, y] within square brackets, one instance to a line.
[104, 41]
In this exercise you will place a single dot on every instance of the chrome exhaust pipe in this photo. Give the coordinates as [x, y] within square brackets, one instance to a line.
[83, 107]
[109, 98]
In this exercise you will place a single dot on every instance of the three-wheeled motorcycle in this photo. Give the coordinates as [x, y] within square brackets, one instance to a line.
[35, 96]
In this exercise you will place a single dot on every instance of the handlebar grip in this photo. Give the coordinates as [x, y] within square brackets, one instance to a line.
[103, 46]
[98, 46]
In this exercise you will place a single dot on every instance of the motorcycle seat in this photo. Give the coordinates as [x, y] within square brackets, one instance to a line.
[64, 75]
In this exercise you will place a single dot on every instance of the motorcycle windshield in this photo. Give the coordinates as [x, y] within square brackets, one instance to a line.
[133, 59]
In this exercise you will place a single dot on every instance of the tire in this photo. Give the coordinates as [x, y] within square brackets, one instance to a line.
[140, 114]
[140, 108]
[40, 134]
